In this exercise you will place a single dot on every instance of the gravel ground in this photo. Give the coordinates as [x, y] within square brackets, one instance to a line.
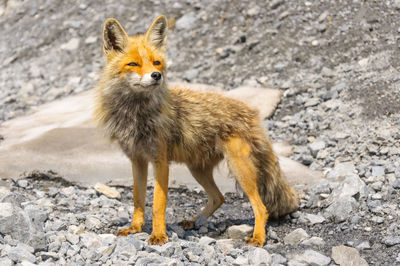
[338, 65]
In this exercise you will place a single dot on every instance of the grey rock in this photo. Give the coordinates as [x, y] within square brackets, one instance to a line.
[328, 72]
[6, 210]
[14, 198]
[241, 260]
[377, 219]
[341, 209]
[38, 217]
[396, 4]
[313, 242]
[4, 261]
[377, 186]
[316, 146]
[240, 231]
[48, 255]
[72, 238]
[342, 170]
[71, 45]
[294, 262]
[314, 219]
[59, 225]
[224, 245]
[363, 245]
[306, 159]
[311, 102]
[22, 183]
[349, 185]
[177, 229]
[259, 256]
[276, 3]
[107, 239]
[311, 257]
[90, 254]
[392, 241]
[143, 236]
[295, 237]
[154, 248]
[396, 184]
[20, 253]
[191, 74]
[376, 196]
[205, 240]
[378, 171]
[171, 249]
[203, 230]
[202, 220]
[92, 223]
[340, 86]
[347, 256]
[90, 240]
[278, 259]
[15, 222]
[129, 241]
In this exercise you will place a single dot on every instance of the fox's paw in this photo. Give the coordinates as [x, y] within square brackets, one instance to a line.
[255, 241]
[159, 239]
[187, 225]
[130, 230]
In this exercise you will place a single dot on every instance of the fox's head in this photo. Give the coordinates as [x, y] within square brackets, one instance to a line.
[136, 62]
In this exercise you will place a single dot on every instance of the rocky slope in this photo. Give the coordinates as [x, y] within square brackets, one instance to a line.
[338, 65]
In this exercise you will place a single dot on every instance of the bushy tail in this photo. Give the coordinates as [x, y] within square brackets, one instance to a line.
[279, 198]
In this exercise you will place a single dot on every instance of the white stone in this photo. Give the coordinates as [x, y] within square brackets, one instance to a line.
[92, 222]
[6, 210]
[107, 191]
[71, 45]
[4, 191]
[90, 39]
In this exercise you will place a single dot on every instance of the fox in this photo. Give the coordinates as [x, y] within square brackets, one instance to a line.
[157, 124]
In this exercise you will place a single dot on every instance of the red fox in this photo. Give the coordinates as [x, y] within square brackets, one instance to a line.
[157, 124]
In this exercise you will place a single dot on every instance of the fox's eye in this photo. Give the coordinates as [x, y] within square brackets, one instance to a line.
[133, 64]
[157, 63]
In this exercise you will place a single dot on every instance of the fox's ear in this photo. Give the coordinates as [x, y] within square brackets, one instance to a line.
[114, 36]
[156, 35]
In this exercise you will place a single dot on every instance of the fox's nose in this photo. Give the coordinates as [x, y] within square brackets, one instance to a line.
[156, 75]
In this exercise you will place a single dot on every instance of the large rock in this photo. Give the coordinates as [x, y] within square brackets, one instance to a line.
[347, 256]
[21, 226]
[348, 188]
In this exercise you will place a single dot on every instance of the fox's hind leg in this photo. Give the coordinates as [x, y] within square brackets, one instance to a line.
[237, 153]
[204, 176]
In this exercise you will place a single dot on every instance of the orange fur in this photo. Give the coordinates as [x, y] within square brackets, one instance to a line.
[157, 124]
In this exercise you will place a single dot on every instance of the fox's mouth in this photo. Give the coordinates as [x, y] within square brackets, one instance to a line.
[145, 82]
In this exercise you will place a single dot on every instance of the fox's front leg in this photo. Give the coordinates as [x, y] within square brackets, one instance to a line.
[159, 235]
[139, 171]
